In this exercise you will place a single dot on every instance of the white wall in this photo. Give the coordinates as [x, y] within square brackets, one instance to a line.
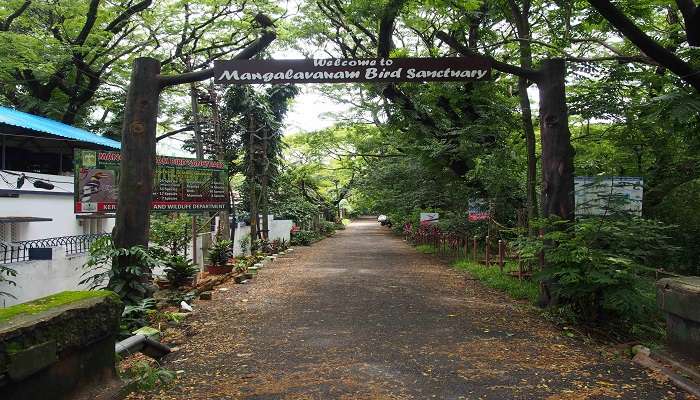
[56, 204]
[279, 229]
[36, 279]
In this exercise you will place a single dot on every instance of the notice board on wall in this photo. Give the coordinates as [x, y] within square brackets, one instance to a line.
[180, 184]
[605, 195]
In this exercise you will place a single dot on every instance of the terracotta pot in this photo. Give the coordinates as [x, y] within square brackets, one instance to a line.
[219, 270]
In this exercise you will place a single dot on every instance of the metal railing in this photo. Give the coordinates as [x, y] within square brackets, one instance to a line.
[19, 251]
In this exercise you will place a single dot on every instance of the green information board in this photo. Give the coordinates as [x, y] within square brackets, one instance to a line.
[180, 184]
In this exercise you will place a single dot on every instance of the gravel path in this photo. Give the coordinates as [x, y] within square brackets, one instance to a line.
[362, 315]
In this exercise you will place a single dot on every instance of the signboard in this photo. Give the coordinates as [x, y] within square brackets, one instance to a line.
[479, 210]
[352, 70]
[608, 194]
[429, 218]
[180, 184]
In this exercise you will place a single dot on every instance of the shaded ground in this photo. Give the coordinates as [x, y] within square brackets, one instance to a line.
[363, 316]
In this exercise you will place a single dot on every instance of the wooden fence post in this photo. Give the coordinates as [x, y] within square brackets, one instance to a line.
[475, 249]
[487, 248]
[501, 254]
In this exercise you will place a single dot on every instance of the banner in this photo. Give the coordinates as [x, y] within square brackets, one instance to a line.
[352, 70]
[604, 195]
[479, 210]
[429, 218]
[180, 184]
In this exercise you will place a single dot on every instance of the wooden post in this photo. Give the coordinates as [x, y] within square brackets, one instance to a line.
[138, 152]
[194, 239]
[541, 252]
[466, 246]
[557, 152]
[253, 195]
[475, 249]
[487, 249]
[501, 254]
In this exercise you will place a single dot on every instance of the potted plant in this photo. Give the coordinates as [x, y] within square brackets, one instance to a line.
[241, 266]
[218, 256]
[180, 271]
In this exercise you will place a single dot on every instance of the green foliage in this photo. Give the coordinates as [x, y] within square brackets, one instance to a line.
[426, 249]
[48, 302]
[326, 228]
[6, 273]
[136, 316]
[179, 270]
[172, 232]
[147, 376]
[304, 238]
[244, 242]
[602, 268]
[493, 277]
[128, 278]
[219, 252]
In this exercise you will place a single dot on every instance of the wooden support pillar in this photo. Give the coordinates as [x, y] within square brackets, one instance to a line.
[138, 151]
[557, 152]
[487, 250]
[501, 254]
[475, 249]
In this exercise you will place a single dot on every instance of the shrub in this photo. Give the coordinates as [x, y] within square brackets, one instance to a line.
[601, 268]
[129, 277]
[326, 228]
[220, 252]
[8, 272]
[172, 232]
[179, 270]
[136, 316]
[303, 238]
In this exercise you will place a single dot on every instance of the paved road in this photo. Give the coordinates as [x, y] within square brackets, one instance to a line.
[363, 316]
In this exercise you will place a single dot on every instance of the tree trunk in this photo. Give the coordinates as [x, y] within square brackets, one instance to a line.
[224, 223]
[264, 180]
[138, 155]
[199, 146]
[530, 141]
[251, 182]
[557, 152]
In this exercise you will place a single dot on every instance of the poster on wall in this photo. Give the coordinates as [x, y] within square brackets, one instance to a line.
[180, 184]
[603, 195]
[479, 210]
[429, 218]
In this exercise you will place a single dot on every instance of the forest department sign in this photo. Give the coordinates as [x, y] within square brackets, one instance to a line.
[352, 70]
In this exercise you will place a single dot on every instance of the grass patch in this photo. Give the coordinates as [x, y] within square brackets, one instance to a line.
[45, 303]
[493, 277]
[426, 249]
[346, 221]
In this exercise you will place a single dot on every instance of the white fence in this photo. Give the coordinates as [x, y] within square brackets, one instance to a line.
[40, 278]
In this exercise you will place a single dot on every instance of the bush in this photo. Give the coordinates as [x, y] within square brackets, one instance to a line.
[136, 316]
[326, 228]
[303, 238]
[9, 273]
[179, 270]
[220, 252]
[601, 267]
[128, 278]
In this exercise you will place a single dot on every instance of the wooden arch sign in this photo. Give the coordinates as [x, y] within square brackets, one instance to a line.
[367, 70]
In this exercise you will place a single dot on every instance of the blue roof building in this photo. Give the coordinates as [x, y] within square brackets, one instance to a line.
[36, 144]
